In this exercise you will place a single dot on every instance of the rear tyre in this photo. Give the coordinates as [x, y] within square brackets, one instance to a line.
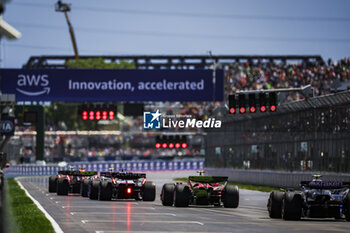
[167, 195]
[181, 195]
[105, 191]
[274, 204]
[93, 191]
[347, 207]
[231, 196]
[85, 188]
[53, 184]
[149, 191]
[291, 206]
[62, 186]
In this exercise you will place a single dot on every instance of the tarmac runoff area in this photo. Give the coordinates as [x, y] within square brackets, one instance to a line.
[77, 214]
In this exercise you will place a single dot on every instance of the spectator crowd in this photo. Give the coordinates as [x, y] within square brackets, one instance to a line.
[258, 75]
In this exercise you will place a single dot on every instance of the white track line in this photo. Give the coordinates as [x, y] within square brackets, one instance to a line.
[104, 213]
[106, 207]
[83, 201]
[166, 222]
[54, 224]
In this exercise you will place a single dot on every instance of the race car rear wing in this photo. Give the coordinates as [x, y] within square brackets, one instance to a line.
[78, 173]
[325, 184]
[124, 175]
[208, 179]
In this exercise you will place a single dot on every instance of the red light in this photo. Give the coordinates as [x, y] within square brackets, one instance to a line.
[91, 115]
[128, 190]
[242, 109]
[252, 109]
[68, 177]
[98, 115]
[177, 145]
[184, 145]
[85, 115]
[104, 115]
[273, 108]
[111, 115]
[263, 108]
[232, 110]
[113, 181]
[158, 145]
[171, 145]
[164, 145]
[143, 181]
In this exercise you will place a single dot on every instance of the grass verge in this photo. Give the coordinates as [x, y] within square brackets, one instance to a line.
[240, 186]
[24, 213]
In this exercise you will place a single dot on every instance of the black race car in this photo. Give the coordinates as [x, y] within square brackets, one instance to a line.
[121, 185]
[316, 199]
[70, 181]
[201, 190]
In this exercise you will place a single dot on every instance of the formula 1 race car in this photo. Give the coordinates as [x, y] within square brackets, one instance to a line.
[201, 190]
[316, 199]
[121, 185]
[69, 181]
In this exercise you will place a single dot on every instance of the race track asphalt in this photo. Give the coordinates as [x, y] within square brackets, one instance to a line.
[77, 214]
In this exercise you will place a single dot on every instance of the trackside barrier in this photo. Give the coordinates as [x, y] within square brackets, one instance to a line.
[272, 178]
[155, 165]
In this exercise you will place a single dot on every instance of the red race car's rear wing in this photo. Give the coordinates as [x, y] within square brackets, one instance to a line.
[208, 179]
[124, 175]
[78, 173]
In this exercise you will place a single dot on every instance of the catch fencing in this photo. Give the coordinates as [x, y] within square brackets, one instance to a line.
[308, 135]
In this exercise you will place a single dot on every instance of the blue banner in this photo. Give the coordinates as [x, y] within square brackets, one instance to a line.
[111, 85]
[144, 166]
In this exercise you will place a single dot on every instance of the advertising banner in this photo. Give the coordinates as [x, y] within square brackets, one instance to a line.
[112, 85]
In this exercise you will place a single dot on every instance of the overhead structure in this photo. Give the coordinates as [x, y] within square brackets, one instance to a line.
[167, 61]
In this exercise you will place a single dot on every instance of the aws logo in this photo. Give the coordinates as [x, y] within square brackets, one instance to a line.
[33, 85]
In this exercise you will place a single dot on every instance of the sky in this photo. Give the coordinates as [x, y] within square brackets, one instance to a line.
[181, 27]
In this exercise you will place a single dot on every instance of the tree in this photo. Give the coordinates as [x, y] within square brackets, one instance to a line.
[98, 63]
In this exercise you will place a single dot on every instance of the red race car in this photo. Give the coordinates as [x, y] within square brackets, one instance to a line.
[201, 190]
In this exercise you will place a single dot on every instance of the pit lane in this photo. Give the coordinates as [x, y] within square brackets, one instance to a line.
[77, 214]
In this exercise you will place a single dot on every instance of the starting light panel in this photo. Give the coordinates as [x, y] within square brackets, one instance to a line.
[252, 102]
[232, 104]
[241, 103]
[273, 101]
[97, 112]
[171, 142]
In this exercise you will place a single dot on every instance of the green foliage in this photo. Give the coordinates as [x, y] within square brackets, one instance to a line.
[26, 215]
[98, 63]
[240, 186]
